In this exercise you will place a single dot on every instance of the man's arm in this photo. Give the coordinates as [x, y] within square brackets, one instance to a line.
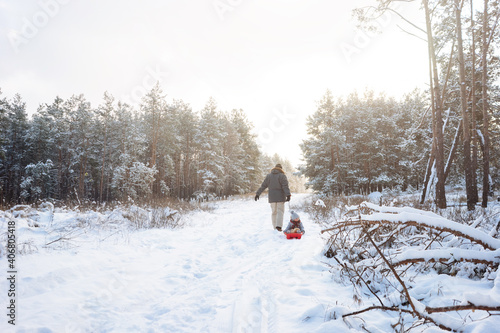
[284, 185]
[264, 185]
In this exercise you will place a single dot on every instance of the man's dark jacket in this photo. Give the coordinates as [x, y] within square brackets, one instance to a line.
[277, 183]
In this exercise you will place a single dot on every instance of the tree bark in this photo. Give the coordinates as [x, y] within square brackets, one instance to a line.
[438, 123]
[453, 150]
[463, 105]
[428, 172]
[474, 138]
[486, 150]
[103, 166]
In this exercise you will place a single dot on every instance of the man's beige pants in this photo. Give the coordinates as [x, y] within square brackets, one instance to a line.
[277, 214]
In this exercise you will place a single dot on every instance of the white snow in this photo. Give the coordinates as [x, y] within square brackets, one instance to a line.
[375, 197]
[320, 203]
[226, 270]
[438, 222]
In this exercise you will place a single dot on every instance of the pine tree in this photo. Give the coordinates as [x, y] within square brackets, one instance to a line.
[3, 139]
[105, 114]
[14, 148]
[355, 146]
[131, 177]
[80, 137]
[154, 109]
[248, 154]
[209, 140]
[185, 154]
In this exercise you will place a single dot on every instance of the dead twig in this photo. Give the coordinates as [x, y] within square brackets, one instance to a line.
[462, 308]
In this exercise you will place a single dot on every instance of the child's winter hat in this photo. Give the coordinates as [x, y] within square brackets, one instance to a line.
[294, 216]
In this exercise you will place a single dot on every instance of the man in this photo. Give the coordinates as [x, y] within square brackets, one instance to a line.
[279, 192]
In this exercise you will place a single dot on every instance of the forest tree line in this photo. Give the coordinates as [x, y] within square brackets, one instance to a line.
[69, 150]
[366, 143]
[448, 136]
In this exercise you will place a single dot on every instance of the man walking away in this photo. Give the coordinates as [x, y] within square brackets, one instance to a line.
[279, 192]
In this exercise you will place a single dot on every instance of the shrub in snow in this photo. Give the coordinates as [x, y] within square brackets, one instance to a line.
[320, 203]
[159, 217]
[46, 206]
[164, 218]
[133, 180]
[27, 247]
[375, 197]
[21, 211]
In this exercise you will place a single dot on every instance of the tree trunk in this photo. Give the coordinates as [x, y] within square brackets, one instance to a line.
[453, 150]
[83, 170]
[428, 172]
[474, 193]
[101, 185]
[186, 182]
[463, 104]
[438, 123]
[486, 151]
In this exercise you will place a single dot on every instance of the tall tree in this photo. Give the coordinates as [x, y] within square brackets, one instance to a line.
[210, 139]
[3, 139]
[105, 113]
[437, 112]
[15, 159]
[249, 153]
[463, 103]
[486, 137]
[57, 115]
[81, 123]
[154, 109]
[132, 177]
[354, 146]
[184, 152]
[474, 132]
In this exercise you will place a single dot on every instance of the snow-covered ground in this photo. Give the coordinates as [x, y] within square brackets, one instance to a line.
[226, 270]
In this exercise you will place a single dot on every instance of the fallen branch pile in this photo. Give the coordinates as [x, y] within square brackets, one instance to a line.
[381, 250]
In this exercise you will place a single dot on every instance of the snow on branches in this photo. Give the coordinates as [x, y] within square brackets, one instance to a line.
[388, 254]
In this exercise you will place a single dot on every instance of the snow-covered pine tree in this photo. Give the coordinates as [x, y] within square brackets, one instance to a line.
[3, 139]
[105, 115]
[322, 150]
[38, 181]
[184, 153]
[14, 148]
[248, 153]
[354, 146]
[41, 151]
[154, 108]
[209, 140]
[81, 118]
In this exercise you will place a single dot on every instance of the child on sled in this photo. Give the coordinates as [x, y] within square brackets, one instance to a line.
[294, 226]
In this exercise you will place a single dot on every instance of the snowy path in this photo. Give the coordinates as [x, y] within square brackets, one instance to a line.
[226, 271]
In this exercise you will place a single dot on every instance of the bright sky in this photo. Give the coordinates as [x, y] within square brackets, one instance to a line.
[272, 58]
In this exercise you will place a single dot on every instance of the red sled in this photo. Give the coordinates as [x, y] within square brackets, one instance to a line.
[293, 235]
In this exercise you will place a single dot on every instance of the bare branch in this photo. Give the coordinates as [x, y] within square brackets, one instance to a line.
[396, 309]
[411, 34]
[406, 20]
[446, 256]
[396, 275]
[487, 242]
[462, 308]
[375, 307]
